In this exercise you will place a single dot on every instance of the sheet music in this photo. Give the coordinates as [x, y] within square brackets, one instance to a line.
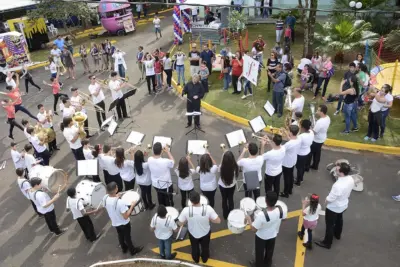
[194, 113]
[235, 138]
[135, 138]
[112, 127]
[196, 147]
[269, 108]
[163, 140]
[87, 167]
[107, 121]
[257, 124]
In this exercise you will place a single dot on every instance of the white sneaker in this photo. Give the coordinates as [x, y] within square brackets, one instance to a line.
[336, 112]
[249, 94]
[244, 96]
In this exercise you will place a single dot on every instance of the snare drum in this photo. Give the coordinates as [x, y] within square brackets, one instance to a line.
[203, 201]
[236, 221]
[52, 179]
[174, 213]
[130, 196]
[248, 205]
[261, 204]
[91, 192]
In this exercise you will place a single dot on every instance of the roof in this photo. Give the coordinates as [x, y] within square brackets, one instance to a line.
[204, 3]
[10, 5]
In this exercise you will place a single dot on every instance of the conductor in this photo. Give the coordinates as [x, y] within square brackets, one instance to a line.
[195, 92]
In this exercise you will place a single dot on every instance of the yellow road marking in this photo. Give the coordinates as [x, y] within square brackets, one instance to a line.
[300, 249]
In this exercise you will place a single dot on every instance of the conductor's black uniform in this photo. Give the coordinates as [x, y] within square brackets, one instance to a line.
[192, 90]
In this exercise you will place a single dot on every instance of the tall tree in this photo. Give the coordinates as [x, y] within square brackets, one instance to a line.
[308, 17]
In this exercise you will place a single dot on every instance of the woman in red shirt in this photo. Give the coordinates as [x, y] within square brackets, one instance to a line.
[237, 69]
[55, 85]
[10, 110]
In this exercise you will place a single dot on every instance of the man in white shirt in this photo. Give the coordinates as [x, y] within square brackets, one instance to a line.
[336, 204]
[289, 161]
[266, 224]
[273, 163]
[119, 213]
[30, 160]
[161, 175]
[320, 134]
[157, 26]
[198, 218]
[194, 14]
[163, 226]
[67, 110]
[297, 103]
[10, 81]
[306, 138]
[76, 102]
[40, 147]
[116, 86]
[71, 134]
[45, 119]
[98, 99]
[17, 157]
[75, 205]
[45, 205]
[25, 186]
[253, 163]
[56, 54]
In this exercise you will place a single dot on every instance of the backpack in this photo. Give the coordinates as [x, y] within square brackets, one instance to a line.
[330, 72]
[288, 81]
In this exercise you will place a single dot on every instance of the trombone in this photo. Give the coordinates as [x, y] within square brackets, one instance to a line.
[253, 135]
[86, 98]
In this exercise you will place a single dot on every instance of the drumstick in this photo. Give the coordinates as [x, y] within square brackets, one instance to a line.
[179, 232]
[59, 188]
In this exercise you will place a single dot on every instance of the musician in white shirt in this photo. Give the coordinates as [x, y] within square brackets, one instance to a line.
[125, 166]
[289, 161]
[184, 172]
[71, 134]
[337, 202]
[116, 86]
[25, 186]
[88, 153]
[375, 113]
[98, 97]
[208, 177]
[306, 138]
[297, 104]
[17, 157]
[161, 175]
[30, 160]
[77, 102]
[67, 110]
[273, 162]
[114, 172]
[143, 179]
[40, 147]
[45, 118]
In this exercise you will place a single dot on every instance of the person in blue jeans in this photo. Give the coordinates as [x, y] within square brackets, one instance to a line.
[350, 105]
[179, 58]
[386, 107]
[163, 226]
[345, 84]
[226, 69]
[278, 78]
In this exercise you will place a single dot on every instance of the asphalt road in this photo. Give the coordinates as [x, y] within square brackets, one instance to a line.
[371, 224]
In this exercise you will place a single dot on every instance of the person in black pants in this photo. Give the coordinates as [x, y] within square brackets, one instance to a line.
[98, 99]
[56, 86]
[116, 87]
[229, 171]
[289, 161]
[143, 179]
[40, 147]
[306, 139]
[72, 135]
[10, 110]
[24, 185]
[195, 92]
[29, 79]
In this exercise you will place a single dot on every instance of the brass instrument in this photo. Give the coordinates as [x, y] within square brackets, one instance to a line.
[258, 137]
[85, 98]
[205, 146]
[79, 118]
[223, 147]
[312, 117]
[45, 135]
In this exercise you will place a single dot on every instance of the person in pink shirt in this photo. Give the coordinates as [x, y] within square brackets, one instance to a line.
[9, 107]
[288, 34]
[158, 71]
[56, 86]
[304, 76]
[324, 75]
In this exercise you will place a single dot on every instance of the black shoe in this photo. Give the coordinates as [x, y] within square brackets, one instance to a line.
[290, 192]
[62, 231]
[88, 136]
[173, 255]
[297, 184]
[282, 194]
[337, 237]
[354, 130]
[322, 244]
[300, 235]
[56, 148]
[314, 168]
[11, 137]
[124, 251]
[198, 127]
[162, 257]
[307, 170]
[136, 250]
[152, 206]
[204, 261]
[308, 245]
[40, 216]
[381, 136]
[188, 125]
[126, 117]
[97, 237]
[55, 113]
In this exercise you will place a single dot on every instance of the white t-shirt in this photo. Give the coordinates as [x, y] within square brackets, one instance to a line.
[156, 22]
[145, 178]
[297, 106]
[36, 144]
[160, 172]
[291, 150]
[180, 59]
[303, 62]
[43, 120]
[208, 180]
[194, 11]
[268, 230]
[29, 161]
[127, 171]
[69, 134]
[221, 183]
[306, 140]
[109, 165]
[24, 186]
[149, 66]
[94, 89]
[28, 136]
[68, 112]
[185, 184]
[273, 161]
[87, 152]
[252, 164]
[338, 198]
[164, 226]
[11, 82]
[114, 85]
[76, 103]
[198, 225]
[376, 106]
[388, 98]
[311, 217]
[321, 129]
[53, 68]
[19, 161]
[76, 207]
[115, 208]
[55, 52]
[40, 199]
[167, 63]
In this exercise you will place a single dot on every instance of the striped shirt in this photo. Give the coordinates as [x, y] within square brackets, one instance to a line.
[279, 25]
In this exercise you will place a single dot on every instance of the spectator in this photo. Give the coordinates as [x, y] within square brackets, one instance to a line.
[139, 61]
[359, 59]
[167, 64]
[95, 53]
[139, 8]
[304, 61]
[271, 64]
[288, 35]
[69, 44]
[225, 69]
[119, 63]
[316, 60]
[259, 46]
[157, 26]
[363, 78]
[324, 75]
[258, 7]
[286, 57]
[56, 53]
[305, 76]
[278, 78]
[350, 105]
[204, 73]
[237, 69]
[150, 72]
[180, 65]
[375, 113]
[345, 84]
[194, 14]
[386, 107]
[145, 9]
[279, 29]
[59, 42]
[207, 56]
[158, 71]
[69, 62]
[84, 58]
[266, 9]
[291, 20]
[194, 59]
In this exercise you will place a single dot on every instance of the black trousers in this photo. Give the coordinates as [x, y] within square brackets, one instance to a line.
[45, 155]
[227, 200]
[251, 193]
[121, 108]
[99, 113]
[35, 209]
[191, 106]
[288, 179]
[106, 177]
[184, 196]
[269, 82]
[151, 78]
[129, 185]
[78, 153]
[87, 227]
[51, 222]
[56, 97]
[53, 144]
[204, 243]
[30, 80]
[319, 84]
[334, 225]
[86, 127]
[169, 76]
[117, 179]
[264, 252]
[146, 195]
[96, 178]
[124, 237]
[235, 80]
[13, 123]
[165, 197]
[374, 121]
[301, 167]
[315, 155]
[205, 85]
[210, 195]
[272, 181]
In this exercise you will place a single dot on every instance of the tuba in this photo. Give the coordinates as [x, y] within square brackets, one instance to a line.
[312, 116]
[79, 118]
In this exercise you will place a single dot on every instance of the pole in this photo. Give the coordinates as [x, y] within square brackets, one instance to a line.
[379, 51]
[396, 64]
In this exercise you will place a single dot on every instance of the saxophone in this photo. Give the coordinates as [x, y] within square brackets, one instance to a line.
[288, 102]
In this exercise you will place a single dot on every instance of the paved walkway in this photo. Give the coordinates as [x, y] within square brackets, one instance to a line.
[370, 236]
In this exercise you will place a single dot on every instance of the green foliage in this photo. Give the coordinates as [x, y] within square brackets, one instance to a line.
[238, 21]
[285, 13]
[392, 40]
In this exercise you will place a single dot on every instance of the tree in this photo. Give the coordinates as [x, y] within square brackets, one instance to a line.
[61, 10]
[392, 40]
[309, 19]
[237, 21]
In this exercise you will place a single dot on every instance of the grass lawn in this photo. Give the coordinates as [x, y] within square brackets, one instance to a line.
[235, 105]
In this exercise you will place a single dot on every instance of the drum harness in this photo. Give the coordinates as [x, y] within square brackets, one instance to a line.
[168, 220]
[280, 213]
[203, 212]
[77, 202]
[22, 184]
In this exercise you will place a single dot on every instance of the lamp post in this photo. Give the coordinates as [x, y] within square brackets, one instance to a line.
[355, 5]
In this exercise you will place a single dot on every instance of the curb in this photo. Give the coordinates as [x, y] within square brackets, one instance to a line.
[137, 260]
[329, 142]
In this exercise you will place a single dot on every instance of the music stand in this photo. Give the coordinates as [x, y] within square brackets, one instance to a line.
[89, 167]
[196, 147]
[236, 138]
[257, 124]
[164, 141]
[195, 128]
[112, 122]
[270, 111]
[135, 138]
[107, 121]
[126, 96]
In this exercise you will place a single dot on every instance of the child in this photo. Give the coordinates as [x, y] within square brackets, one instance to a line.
[87, 152]
[56, 85]
[17, 157]
[30, 160]
[203, 72]
[143, 179]
[305, 76]
[163, 225]
[25, 186]
[158, 71]
[185, 181]
[298, 115]
[288, 34]
[311, 209]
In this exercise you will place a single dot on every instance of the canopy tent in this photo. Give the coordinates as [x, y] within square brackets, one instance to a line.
[10, 5]
[204, 3]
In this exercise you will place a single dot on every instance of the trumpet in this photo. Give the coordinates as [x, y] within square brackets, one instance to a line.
[205, 146]
[312, 119]
[258, 137]
[222, 146]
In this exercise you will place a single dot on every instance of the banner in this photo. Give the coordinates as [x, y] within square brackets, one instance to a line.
[250, 69]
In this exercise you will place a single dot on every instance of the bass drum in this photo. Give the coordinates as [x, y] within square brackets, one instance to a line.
[91, 192]
[52, 178]
[128, 197]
